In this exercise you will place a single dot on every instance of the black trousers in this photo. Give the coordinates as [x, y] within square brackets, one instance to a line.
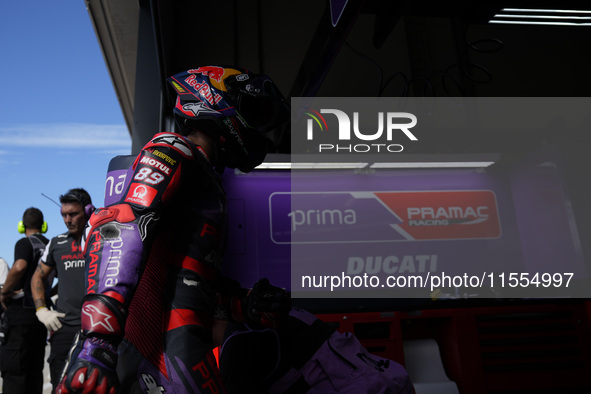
[22, 359]
[61, 343]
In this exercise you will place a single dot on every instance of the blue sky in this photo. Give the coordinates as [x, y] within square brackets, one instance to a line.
[60, 121]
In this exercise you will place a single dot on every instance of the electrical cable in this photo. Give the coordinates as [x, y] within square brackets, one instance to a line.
[51, 199]
[465, 67]
[365, 57]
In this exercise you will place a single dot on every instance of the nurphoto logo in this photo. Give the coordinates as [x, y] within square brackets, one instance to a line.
[391, 126]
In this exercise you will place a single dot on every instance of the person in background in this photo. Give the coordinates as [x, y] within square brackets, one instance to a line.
[3, 271]
[153, 258]
[63, 258]
[23, 350]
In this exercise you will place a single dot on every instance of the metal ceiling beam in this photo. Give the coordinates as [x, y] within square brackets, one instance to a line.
[115, 23]
[387, 16]
[147, 119]
[324, 48]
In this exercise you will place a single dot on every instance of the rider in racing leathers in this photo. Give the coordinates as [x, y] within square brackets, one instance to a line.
[153, 258]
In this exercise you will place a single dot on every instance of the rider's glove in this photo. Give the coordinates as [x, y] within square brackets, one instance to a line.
[91, 367]
[265, 305]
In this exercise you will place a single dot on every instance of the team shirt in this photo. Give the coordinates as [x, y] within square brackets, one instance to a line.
[64, 254]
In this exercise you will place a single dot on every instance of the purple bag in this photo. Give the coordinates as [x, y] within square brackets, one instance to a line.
[343, 365]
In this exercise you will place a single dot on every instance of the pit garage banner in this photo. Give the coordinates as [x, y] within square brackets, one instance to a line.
[368, 217]
[398, 226]
[363, 234]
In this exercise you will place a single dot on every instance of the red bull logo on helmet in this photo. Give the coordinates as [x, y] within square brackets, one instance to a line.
[213, 72]
[204, 90]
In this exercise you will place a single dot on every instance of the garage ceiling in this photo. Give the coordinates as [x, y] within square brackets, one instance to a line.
[388, 48]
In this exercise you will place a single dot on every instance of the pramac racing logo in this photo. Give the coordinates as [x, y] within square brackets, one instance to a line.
[457, 214]
[141, 194]
[390, 125]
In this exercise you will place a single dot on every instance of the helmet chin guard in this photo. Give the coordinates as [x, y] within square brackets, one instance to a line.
[233, 106]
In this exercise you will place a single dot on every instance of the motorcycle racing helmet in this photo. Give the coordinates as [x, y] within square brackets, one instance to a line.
[232, 105]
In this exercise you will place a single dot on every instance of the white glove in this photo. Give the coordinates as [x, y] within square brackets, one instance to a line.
[50, 318]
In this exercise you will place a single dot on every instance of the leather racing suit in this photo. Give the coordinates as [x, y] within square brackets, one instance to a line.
[152, 262]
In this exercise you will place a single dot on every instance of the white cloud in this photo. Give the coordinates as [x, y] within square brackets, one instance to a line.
[67, 135]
